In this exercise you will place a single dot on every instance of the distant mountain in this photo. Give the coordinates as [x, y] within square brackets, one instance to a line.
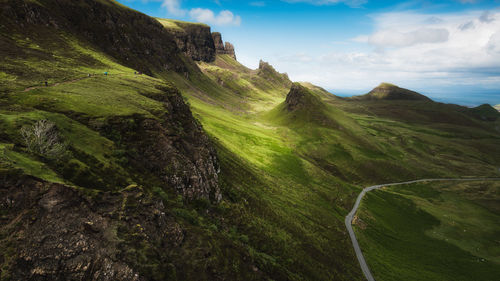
[485, 112]
[387, 91]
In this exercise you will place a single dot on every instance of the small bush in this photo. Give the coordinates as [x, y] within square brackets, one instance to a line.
[43, 139]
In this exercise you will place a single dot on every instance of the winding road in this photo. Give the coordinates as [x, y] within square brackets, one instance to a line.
[350, 216]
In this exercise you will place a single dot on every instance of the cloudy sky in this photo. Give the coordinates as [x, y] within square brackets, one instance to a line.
[448, 50]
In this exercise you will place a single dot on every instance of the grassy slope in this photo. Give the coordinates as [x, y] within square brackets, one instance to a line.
[176, 25]
[305, 168]
[444, 231]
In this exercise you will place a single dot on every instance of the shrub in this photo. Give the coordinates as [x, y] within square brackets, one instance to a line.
[43, 139]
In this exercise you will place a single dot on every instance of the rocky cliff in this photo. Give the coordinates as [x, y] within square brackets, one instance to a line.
[221, 48]
[56, 232]
[196, 41]
[132, 38]
[173, 147]
[193, 39]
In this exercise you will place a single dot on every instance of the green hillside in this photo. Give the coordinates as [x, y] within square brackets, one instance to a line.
[432, 231]
[203, 170]
[387, 91]
[485, 112]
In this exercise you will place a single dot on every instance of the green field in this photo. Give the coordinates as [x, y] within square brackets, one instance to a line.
[432, 231]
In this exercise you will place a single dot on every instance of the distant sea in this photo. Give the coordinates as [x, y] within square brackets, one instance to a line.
[470, 99]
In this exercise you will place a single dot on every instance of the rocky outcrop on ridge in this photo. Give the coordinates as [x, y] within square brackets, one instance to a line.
[220, 48]
[193, 39]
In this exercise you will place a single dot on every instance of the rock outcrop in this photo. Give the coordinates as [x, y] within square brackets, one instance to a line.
[220, 48]
[173, 148]
[193, 39]
[268, 72]
[302, 107]
[298, 97]
[55, 232]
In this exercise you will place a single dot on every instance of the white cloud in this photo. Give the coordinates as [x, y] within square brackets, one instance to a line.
[173, 7]
[208, 16]
[467, 25]
[408, 49]
[225, 17]
[494, 43]
[487, 17]
[390, 38]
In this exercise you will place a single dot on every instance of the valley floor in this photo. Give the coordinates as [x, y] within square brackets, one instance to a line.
[431, 231]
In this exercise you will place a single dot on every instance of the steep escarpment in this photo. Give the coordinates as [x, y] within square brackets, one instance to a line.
[197, 41]
[193, 39]
[174, 148]
[221, 48]
[132, 38]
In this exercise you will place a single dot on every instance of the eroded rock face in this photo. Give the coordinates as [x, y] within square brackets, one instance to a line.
[174, 148]
[296, 97]
[195, 41]
[219, 44]
[54, 232]
[220, 48]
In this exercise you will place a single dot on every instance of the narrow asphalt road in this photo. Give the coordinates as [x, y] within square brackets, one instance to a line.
[350, 216]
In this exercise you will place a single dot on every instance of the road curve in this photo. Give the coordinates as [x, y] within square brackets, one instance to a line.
[350, 216]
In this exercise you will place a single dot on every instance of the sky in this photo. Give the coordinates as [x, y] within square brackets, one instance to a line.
[448, 50]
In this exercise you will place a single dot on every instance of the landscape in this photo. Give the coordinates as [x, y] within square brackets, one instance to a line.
[135, 147]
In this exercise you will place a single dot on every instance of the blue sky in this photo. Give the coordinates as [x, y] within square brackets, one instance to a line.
[448, 50]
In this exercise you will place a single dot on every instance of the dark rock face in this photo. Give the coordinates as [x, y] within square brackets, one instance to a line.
[195, 41]
[132, 38]
[229, 48]
[304, 106]
[175, 148]
[220, 48]
[219, 44]
[54, 232]
[296, 98]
